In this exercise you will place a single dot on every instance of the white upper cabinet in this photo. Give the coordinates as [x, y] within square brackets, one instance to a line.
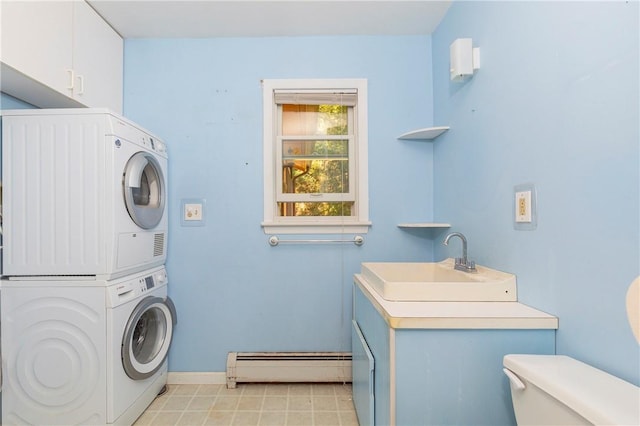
[97, 60]
[60, 54]
[37, 40]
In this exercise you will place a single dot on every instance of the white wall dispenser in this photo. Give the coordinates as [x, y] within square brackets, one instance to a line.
[464, 59]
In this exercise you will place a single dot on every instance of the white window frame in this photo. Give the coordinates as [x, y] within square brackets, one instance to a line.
[275, 224]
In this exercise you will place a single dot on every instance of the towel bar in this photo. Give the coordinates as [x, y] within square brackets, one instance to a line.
[274, 241]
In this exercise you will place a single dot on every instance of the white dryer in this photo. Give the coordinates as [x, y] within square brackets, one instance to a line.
[85, 193]
[69, 357]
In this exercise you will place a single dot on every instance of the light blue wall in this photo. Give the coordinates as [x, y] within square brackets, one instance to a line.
[233, 292]
[9, 102]
[555, 103]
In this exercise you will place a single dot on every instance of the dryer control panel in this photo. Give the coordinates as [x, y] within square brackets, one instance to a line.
[123, 291]
[119, 127]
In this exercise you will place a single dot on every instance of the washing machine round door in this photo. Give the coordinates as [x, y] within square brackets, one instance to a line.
[147, 337]
[144, 191]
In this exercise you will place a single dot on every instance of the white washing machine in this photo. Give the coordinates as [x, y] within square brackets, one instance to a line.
[84, 193]
[140, 322]
[84, 352]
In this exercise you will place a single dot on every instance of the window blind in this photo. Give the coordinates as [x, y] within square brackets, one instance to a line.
[316, 97]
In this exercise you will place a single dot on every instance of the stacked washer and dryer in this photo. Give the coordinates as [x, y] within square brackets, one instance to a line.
[86, 320]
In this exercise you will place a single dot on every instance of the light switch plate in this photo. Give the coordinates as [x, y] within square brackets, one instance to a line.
[525, 215]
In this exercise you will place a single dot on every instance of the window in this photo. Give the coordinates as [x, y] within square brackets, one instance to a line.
[315, 156]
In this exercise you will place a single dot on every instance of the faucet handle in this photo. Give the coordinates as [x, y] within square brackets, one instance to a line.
[465, 265]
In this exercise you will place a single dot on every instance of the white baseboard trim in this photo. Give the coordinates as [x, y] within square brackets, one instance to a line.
[196, 378]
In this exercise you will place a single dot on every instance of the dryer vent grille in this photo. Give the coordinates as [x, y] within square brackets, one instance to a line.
[158, 245]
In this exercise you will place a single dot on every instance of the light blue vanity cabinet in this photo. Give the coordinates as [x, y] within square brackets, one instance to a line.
[440, 363]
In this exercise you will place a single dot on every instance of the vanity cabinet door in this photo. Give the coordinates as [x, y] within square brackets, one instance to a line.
[363, 367]
[378, 338]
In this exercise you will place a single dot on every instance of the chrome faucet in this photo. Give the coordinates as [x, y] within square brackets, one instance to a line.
[462, 263]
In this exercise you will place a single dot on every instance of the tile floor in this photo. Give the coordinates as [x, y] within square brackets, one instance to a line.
[253, 404]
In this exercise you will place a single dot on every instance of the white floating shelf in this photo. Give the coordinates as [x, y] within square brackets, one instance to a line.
[424, 134]
[424, 225]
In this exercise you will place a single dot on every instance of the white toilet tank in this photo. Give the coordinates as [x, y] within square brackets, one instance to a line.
[559, 390]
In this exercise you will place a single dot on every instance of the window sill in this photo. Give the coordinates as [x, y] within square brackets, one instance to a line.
[316, 228]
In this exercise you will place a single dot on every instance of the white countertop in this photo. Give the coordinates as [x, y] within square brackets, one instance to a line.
[457, 315]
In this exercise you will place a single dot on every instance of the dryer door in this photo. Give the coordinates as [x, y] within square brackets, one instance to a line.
[147, 337]
[144, 191]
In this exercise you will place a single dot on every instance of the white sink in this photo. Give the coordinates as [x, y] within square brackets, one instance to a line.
[438, 281]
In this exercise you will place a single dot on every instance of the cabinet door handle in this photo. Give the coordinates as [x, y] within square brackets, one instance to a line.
[81, 81]
[70, 85]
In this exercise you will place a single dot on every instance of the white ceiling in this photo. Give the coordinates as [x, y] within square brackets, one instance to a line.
[259, 18]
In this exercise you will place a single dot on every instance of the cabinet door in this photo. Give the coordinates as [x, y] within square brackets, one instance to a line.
[363, 369]
[36, 40]
[380, 340]
[97, 60]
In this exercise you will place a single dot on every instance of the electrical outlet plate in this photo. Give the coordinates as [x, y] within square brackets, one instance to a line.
[524, 207]
[192, 211]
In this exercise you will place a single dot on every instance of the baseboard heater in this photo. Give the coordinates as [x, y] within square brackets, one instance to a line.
[287, 367]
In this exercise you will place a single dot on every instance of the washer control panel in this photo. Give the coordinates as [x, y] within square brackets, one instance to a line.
[123, 291]
[151, 281]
